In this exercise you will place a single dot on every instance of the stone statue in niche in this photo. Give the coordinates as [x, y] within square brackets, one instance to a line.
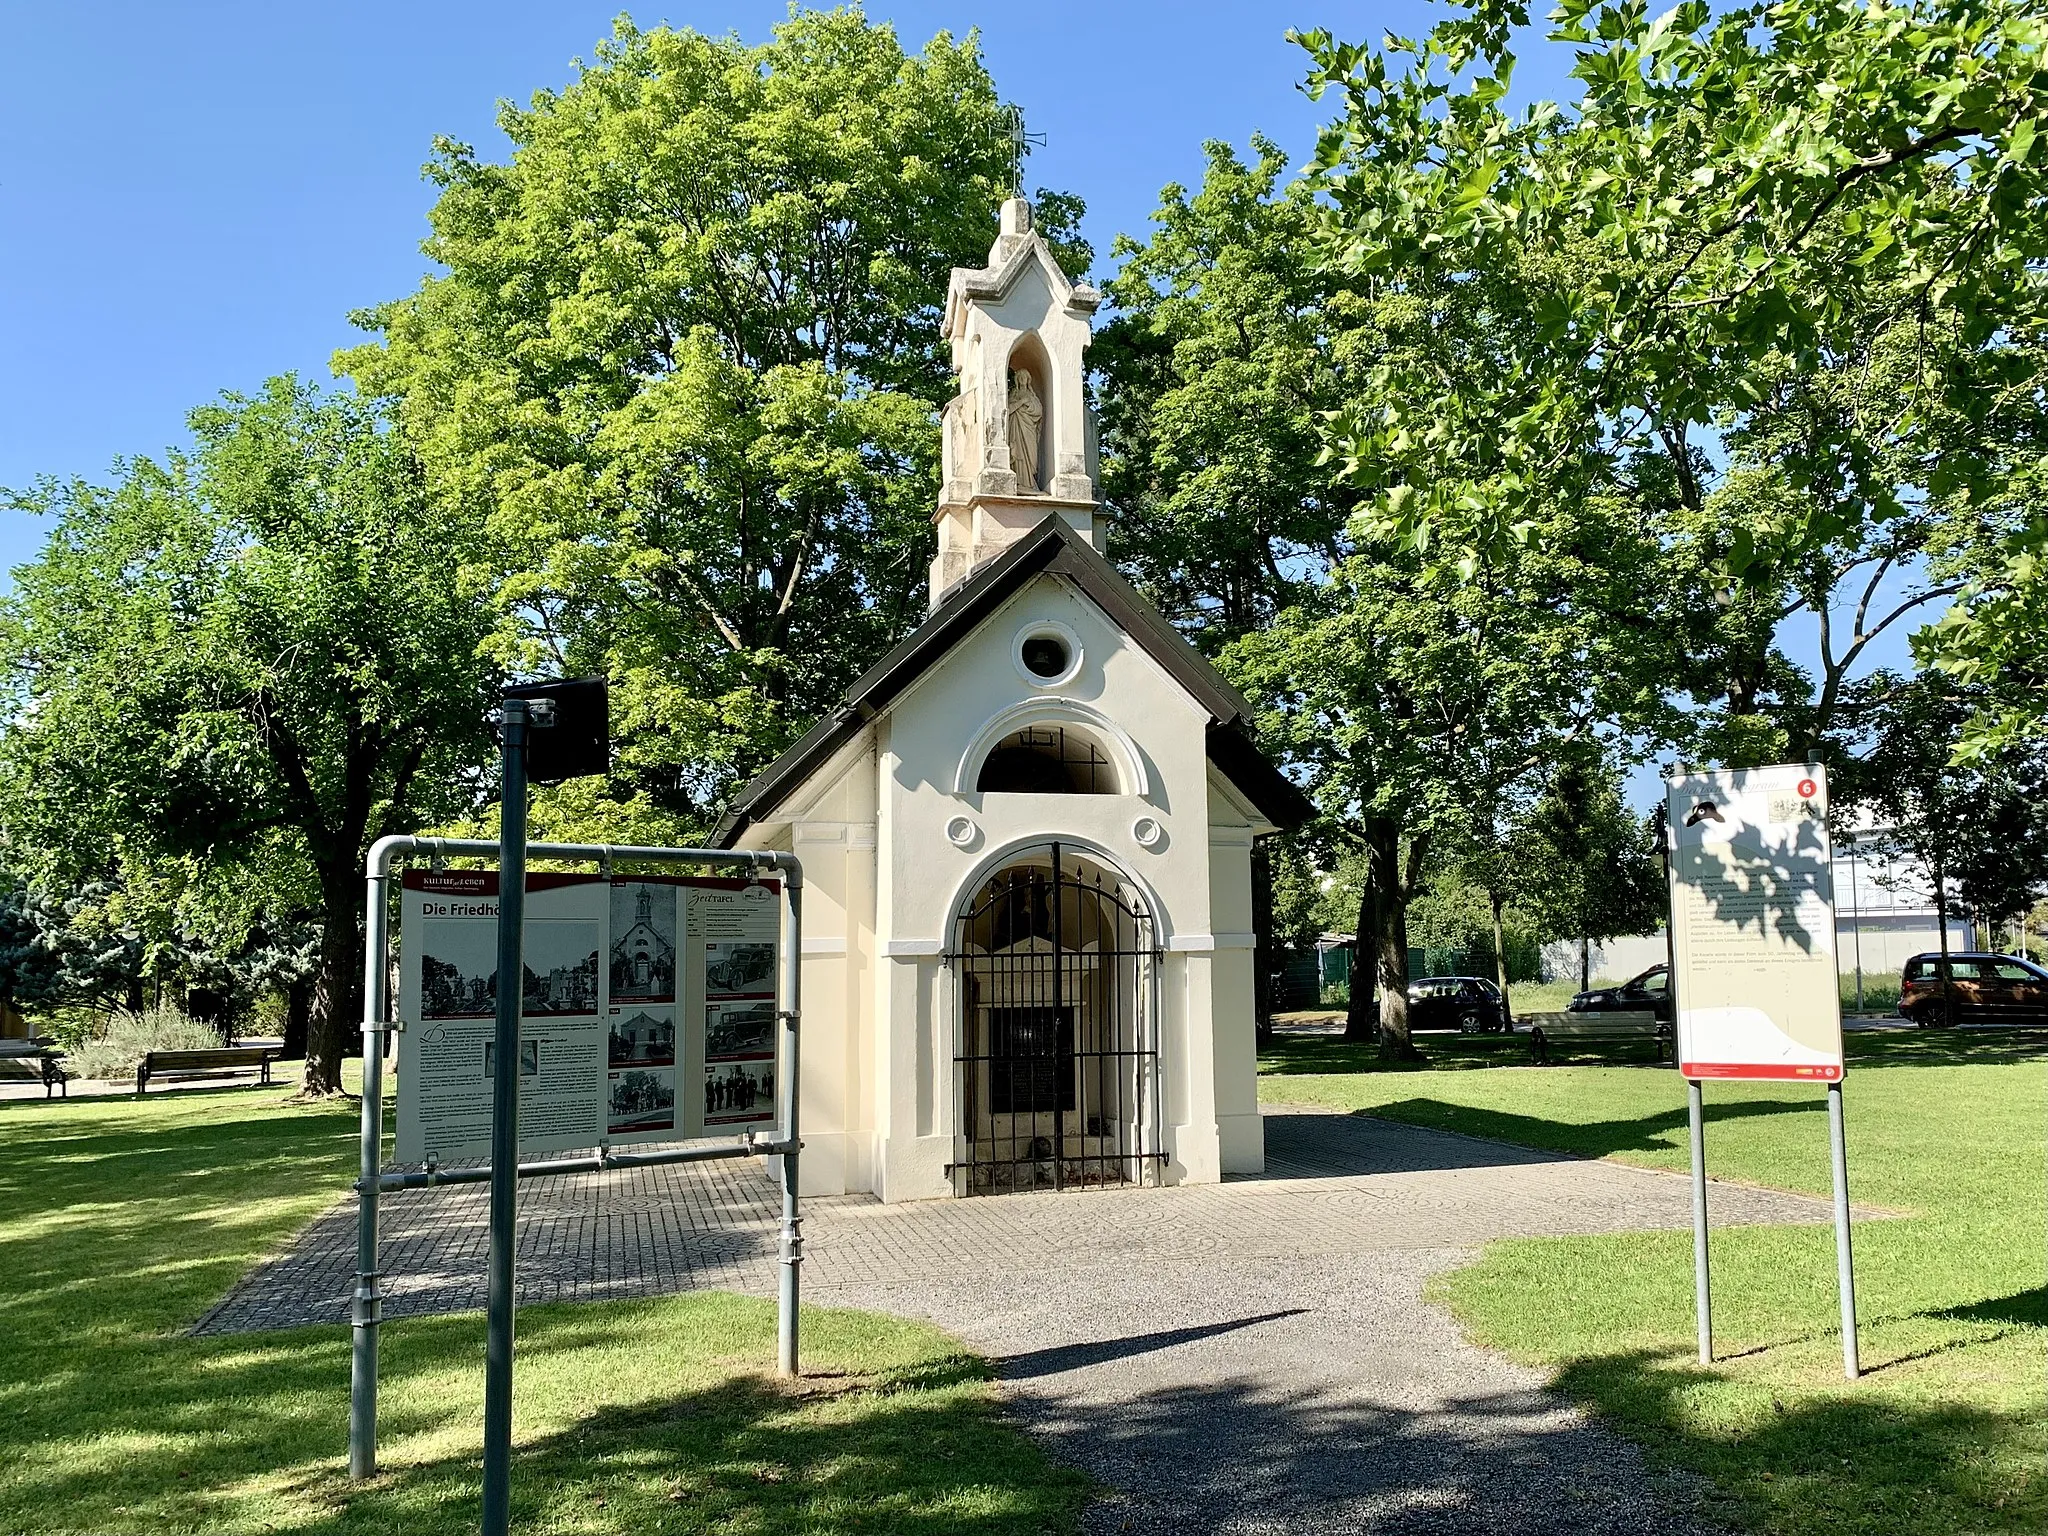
[1027, 411]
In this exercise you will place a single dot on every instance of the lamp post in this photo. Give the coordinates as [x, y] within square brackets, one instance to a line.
[505, 1120]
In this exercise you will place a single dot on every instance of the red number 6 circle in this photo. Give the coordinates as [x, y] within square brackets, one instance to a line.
[1808, 789]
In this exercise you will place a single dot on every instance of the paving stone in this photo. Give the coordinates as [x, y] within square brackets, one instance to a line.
[1254, 1357]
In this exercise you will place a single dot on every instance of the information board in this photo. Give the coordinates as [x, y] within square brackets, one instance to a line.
[648, 1010]
[1753, 924]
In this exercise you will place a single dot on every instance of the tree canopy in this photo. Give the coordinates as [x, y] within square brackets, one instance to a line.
[1793, 247]
[247, 663]
[683, 366]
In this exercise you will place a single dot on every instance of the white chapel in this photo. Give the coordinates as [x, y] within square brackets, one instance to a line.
[1027, 831]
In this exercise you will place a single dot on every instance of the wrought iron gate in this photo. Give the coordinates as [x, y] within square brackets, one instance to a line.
[1057, 1071]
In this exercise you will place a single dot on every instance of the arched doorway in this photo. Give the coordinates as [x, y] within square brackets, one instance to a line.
[1056, 1071]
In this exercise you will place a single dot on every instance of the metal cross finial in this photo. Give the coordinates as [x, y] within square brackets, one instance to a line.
[1021, 144]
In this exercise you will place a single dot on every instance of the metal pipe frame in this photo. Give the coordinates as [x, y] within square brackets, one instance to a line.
[788, 1016]
[366, 1309]
[750, 1146]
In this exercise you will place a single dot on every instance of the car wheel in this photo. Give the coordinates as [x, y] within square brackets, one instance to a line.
[1468, 1023]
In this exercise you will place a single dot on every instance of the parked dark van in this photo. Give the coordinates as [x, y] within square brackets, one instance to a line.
[1986, 989]
[1471, 1005]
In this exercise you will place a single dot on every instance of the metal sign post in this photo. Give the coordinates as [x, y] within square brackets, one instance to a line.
[505, 1121]
[786, 1016]
[1702, 1283]
[1845, 1266]
[1695, 1110]
[1755, 986]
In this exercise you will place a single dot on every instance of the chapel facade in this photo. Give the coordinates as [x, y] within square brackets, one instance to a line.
[1027, 832]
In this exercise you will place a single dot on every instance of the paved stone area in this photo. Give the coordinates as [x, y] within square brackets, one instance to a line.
[1334, 1184]
[1252, 1358]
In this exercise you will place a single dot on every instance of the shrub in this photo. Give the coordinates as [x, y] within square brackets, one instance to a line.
[128, 1037]
[1880, 991]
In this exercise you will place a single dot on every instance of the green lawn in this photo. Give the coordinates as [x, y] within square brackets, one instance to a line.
[121, 1221]
[1948, 1431]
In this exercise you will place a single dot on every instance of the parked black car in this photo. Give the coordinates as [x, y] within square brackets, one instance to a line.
[1988, 988]
[1471, 1005]
[1648, 993]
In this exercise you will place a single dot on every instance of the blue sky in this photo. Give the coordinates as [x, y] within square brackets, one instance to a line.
[194, 196]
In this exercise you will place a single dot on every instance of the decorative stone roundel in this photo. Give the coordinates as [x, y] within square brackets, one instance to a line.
[1047, 654]
[1147, 832]
[960, 831]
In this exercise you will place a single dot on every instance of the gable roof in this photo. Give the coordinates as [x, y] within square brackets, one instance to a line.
[1050, 548]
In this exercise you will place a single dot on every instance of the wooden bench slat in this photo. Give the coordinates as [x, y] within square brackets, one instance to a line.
[222, 1059]
[1629, 1024]
[225, 1056]
[47, 1059]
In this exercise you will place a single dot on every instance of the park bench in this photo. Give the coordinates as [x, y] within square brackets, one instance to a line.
[1548, 1028]
[227, 1058]
[43, 1060]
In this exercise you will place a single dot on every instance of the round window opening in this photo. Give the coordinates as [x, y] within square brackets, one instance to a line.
[1045, 655]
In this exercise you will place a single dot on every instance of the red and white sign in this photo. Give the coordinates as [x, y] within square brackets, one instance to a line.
[1753, 925]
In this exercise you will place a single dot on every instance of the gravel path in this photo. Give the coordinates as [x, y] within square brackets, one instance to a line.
[1254, 1357]
[1277, 1396]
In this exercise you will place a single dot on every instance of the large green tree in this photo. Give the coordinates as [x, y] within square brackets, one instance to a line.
[1417, 704]
[1224, 350]
[1584, 866]
[1404, 693]
[257, 657]
[1788, 253]
[682, 361]
[1975, 830]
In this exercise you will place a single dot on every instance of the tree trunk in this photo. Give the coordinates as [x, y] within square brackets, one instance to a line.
[1262, 947]
[1390, 936]
[1361, 1027]
[1396, 1043]
[1585, 964]
[1500, 956]
[337, 984]
[298, 1010]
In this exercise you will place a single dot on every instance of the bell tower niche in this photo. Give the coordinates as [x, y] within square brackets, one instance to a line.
[1019, 437]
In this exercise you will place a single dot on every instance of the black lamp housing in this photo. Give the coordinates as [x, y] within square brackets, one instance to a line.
[577, 743]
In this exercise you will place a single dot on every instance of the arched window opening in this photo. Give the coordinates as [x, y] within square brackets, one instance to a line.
[1047, 760]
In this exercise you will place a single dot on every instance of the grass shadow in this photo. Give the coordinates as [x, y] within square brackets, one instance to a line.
[911, 1445]
[1840, 1462]
[1314, 1054]
[1591, 1138]
[2027, 1308]
[1946, 1047]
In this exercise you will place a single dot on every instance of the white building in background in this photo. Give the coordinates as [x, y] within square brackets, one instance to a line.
[1884, 906]
[1027, 831]
[1884, 915]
